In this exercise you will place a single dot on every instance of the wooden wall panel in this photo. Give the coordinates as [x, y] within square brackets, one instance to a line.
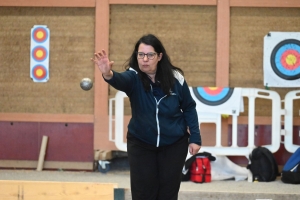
[19, 141]
[248, 26]
[187, 32]
[71, 46]
[68, 142]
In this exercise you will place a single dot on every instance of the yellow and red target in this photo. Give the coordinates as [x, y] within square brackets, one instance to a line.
[39, 72]
[40, 34]
[282, 59]
[39, 53]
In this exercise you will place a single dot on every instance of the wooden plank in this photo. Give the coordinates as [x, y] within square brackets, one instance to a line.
[91, 3]
[31, 117]
[165, 2]
[223, 36]
[29, 164]
[47, 3]
[12, 190]
[265, 3]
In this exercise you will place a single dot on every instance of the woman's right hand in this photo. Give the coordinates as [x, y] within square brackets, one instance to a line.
[103, 63]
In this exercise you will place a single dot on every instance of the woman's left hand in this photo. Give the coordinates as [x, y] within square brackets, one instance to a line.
[194, 148]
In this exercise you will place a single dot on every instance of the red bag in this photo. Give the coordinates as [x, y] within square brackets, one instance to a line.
[201, 170]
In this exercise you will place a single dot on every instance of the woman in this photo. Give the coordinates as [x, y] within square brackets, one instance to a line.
[164, 123]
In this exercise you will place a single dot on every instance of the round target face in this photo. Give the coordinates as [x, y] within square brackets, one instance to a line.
[40, 34]
[39, 53]
[39, 72]
[285, 59]
[213, 96]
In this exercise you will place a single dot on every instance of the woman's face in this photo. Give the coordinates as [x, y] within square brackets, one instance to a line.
[148, 59]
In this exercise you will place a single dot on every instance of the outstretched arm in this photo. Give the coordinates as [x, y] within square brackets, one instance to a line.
[103, 63]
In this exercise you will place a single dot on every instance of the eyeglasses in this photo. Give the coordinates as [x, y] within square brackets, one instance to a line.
[150, 55]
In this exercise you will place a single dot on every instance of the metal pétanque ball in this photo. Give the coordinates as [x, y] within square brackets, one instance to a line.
[86, 84]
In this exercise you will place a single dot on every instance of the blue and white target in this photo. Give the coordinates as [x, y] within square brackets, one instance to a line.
[213, 95]
[221, 100]
[282, 59]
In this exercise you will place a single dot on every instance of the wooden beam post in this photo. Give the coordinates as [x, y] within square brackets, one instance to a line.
[223, 30]
[101, 138]
[42, 153]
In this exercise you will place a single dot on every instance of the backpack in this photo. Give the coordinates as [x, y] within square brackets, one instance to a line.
[291, 169]
[263, 165]
[197, 168]
[201, 170]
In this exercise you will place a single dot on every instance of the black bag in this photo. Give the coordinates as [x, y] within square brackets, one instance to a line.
[263, 165]
[291, 169]
[186, 173]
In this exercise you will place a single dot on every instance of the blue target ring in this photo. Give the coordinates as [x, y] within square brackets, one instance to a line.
[285, 59]
[212, 97]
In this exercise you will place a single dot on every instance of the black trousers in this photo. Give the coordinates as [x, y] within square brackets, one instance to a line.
[155, 172]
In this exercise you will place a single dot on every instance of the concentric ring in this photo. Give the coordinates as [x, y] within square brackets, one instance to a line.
[285, 59]
[40, 34]
[39, 72]
[39, 53]
[213, 96]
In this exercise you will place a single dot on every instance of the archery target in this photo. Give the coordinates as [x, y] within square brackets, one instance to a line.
[282, 59]
[39, 34]
[39, 53]
[220, 100]
[39, 72]
[213, 95]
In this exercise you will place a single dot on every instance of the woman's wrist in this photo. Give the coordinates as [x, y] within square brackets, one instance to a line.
[108, 76]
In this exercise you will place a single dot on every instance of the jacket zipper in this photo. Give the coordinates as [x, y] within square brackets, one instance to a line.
[157, 121]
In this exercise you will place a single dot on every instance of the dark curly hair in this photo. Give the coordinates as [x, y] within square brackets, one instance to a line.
[165, 69]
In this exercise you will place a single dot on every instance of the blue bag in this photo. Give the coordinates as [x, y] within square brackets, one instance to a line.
[291, 169]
